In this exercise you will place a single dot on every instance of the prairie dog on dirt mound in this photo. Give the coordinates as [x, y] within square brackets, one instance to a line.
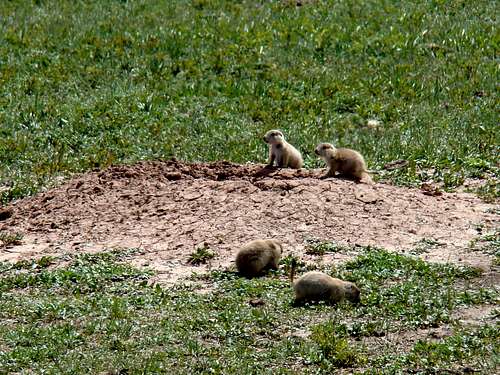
[285, 155]
[345, 161]
[317, 286]
[258, 256]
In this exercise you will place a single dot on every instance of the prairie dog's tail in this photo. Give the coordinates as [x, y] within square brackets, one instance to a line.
[293, 266]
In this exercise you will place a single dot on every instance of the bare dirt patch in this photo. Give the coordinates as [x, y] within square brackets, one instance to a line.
[167, 208]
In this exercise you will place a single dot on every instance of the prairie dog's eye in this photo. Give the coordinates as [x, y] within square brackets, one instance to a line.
[324, 147]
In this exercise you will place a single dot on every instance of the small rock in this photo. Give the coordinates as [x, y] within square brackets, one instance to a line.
[256, 302]
[366, 196]
[428, 189]
[396, 164]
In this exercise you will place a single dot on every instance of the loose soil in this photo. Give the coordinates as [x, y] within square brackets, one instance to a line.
[166, 209]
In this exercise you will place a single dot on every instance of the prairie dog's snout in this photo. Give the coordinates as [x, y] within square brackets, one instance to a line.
[274, 137]
[322, 148]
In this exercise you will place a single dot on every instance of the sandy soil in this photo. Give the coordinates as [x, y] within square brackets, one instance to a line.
[168, 208]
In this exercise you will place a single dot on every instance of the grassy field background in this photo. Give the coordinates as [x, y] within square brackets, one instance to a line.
[98, 315]
[84, 84]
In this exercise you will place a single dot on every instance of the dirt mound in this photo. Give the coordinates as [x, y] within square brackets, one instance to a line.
[168, 208]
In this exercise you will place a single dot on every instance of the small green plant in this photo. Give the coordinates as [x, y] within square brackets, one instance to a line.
[10, 239]
[488, 243]
[201, 255]
[43, 262]
[334, 346]
[490, 191]
[318, 247]
[425, 244]
[461, 346]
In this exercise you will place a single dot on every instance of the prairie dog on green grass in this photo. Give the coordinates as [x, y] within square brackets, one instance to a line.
[317, 286]
[345, 161]
[285, 155]
[258, 256]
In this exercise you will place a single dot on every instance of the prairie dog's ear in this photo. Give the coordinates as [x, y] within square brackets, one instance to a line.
[276, 245]
[280, 247]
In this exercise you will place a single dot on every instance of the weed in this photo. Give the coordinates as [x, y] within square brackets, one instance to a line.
[201, 255]
[318, 247]
[334, 347]
[488, 243]
[10, 239]
[425, 244]
[490, 191]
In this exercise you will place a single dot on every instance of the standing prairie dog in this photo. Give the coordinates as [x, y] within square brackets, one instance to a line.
[345, 161]
[285, 155]
[317, 286]
[257, 256]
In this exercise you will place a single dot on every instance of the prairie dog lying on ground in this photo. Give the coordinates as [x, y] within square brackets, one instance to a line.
[258, 256]
[345, 161]
[317, 286]
[285, 155]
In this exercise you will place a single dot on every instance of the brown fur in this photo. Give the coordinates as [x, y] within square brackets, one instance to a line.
[285, 155]
[258, 256]
[317, 286]
[345, 161]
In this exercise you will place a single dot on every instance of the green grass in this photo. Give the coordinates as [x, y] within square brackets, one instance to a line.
[318, 247]
[87, 84]
[94, 313]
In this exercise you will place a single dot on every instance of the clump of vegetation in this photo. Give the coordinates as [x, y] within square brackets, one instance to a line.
[426, 244]
[10, 239]
[488, 243]
[334, 348]
[490, 190]
[201, 255]
[318, 247]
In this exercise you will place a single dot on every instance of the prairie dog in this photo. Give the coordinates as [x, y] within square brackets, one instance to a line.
[285, 155]
[343, 160]
[318, 286]
[257, 256]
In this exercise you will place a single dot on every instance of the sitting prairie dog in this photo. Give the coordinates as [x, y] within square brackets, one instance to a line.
[317, 286]
[345, 161]
[285, 155]
[257, 256]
